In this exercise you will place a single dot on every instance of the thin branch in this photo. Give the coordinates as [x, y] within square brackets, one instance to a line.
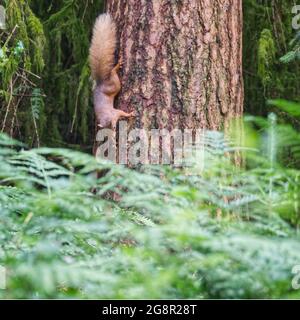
[28, 95]
[31, 73]
[26, 79]
[8, 106]
[11, 34]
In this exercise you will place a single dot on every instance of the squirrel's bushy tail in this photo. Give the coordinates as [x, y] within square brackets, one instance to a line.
[103, 46]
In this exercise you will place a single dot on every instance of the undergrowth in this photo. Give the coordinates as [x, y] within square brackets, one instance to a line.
[217, 232]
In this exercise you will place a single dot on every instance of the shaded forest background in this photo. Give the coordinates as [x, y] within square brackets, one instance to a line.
[45, 93]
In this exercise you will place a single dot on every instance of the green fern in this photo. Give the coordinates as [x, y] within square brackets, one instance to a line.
[218, 234]
[294, 54]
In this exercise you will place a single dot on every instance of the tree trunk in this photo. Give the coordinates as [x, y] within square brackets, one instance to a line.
[182, 61]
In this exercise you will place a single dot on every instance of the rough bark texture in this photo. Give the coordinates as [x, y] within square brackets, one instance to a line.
[182, 61]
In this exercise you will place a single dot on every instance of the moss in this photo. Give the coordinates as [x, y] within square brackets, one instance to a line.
[68, 27]
[55, 36]
[38, 40]
[266, 56]
[23, 47]
[264, 76]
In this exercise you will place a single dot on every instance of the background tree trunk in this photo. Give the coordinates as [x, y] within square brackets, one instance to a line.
[182, 61]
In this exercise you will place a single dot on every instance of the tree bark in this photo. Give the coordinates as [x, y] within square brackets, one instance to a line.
[182, 61]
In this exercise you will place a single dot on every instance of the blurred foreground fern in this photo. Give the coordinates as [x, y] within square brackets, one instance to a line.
[218, 233]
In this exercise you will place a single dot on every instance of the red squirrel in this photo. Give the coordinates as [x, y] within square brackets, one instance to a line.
[108, 85]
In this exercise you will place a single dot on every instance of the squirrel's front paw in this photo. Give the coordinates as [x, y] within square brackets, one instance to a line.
[123, 114]
[120, 114]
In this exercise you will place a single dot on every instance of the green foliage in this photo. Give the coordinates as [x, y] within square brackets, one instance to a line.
[45, 47]
[294, 54]
[267, 30]
[21, 56]
[266, 56]
[68, 26]
[293, 108]
[218, 232]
